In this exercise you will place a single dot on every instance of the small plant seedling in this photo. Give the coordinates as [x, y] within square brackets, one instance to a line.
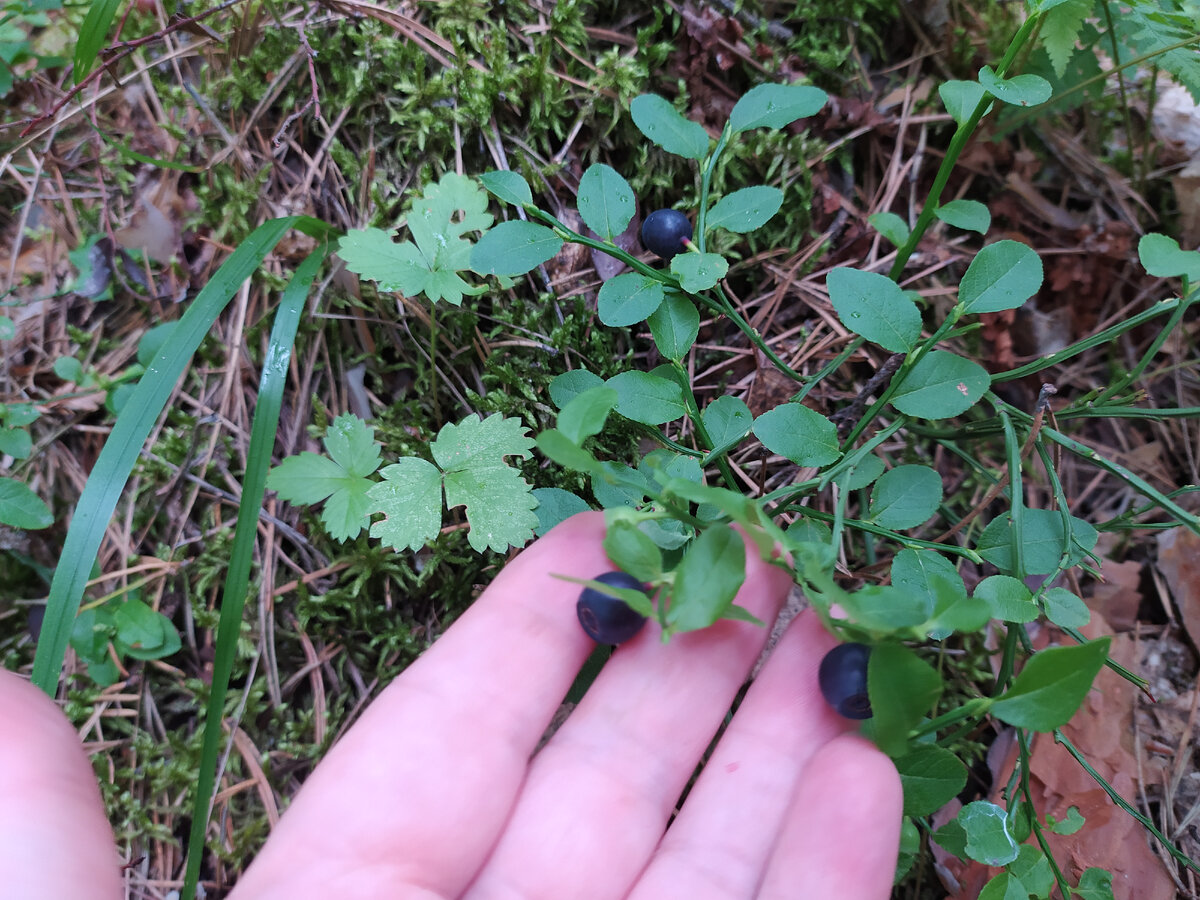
[842, 676]
[608, 619]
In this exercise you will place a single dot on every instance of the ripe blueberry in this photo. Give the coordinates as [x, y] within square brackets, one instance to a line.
[664, 231]
[843, 680]
[609, 620]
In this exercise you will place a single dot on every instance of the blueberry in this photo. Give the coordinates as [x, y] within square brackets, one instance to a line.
[609, 620]
[664, 232]
[843, 680]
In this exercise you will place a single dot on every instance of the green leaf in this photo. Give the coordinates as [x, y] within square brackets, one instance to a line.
[8, 329]
[905, 497]
[866, 471]
[1002, 276]
[90, 633]
[647, 398]
[1004, 886]
[1008, 598]
[605, 200]
[805, 437]
[969, 215]
[707, 580]
[1033, 869]
[745, 210]
[20, 414]
[410, 496]
[952, 838]
[555, 505]
[775, 106]
[499, 507]
[884, 610]
[628, 299]
[514, 248]
[873, 306]
[139, 627]
[1095, 884]
[931, 776]
[988, 838]
[565, 387]
[658, 120]
[309, 479]
[1043, 541]
[727, 420]
[891, 226]
[507, 186]
[556, 446]
[585, 415]
[961, 98]
[1064, 609]
[92, 35]
[1162, 258]
[698, 271]
[812, 531]
[632, 551]
[1071, 824]
[674, 325]
[16, 442]
[22, 508]
[1020, 90]
[1051, 687]
[903, 689]
[1060, 27]
[941, 385]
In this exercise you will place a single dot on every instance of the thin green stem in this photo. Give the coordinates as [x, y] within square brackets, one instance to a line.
[693, 408]
[902, 539]
[1034, 824]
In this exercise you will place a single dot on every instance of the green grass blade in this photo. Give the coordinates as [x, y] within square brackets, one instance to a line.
[111, 472]
[237, 577]
[92, 35]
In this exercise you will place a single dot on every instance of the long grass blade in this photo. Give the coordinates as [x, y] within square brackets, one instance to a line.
[237, 577]
[120, 453]
[92, 35]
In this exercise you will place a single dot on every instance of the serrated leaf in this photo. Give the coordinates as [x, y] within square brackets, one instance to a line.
[1002, 276]
[969, 215]
[569, 384]
[499, 506]
[1020, 90]
[727, 420]
[1008, 598]
[905, 497]
[507, 186]
[628, 299]
[22, 508]
[961, 98]
[351, 443]
[1051, 686]
[698, 271]
[1060, 28]
[745, 210]
[514, 248]
[605, 201]
[941, 385]
[647, 398]
[903, 689]
[891, 226]
[775, 106]
[658, 120]
[707, 580]
[476, 443]
[555, 505]
[1162, 257]
[674, 325]
[1043, 541]
[931, 777]
[805, 437]
[372, 254]
[875, 307]
[1064, 609]
[410, 497]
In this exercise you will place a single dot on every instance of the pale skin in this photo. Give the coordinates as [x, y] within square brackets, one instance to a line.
[436, 791]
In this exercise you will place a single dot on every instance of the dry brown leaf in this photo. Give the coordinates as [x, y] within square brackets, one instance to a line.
[1179, 563]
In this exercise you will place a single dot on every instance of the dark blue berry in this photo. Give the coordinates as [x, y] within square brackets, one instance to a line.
[843, 680]
[664, 232]
[609, 620]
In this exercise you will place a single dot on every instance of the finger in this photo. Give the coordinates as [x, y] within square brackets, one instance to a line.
[719, 845]
[54, 838]
[599, 795]
[415, 793]
[842, 831]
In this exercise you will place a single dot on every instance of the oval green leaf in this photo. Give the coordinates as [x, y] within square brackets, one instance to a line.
[674, 325]
[1002, 276]
[891, 226]
[555, 505]
[647, 398]
[605, 200]
[628, 299]
[941, 385]
[707, 580]
[903, 689]
[872, 305]
[514, 248]
[961, 98]
[1043, 542]
[1008, 598]
[931, 776]
[698, 271]
[1020, 90]
[658, 120]
[969, 215]
[727, 420]
[566, 386]
[1162, 257]
[905, 497]
[805, 437]
[1051, 686]
[745, 210]
[507, 186]
[775, 106]
[22, 508]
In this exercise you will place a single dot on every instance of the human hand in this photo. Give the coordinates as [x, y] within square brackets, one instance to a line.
[433, 793]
